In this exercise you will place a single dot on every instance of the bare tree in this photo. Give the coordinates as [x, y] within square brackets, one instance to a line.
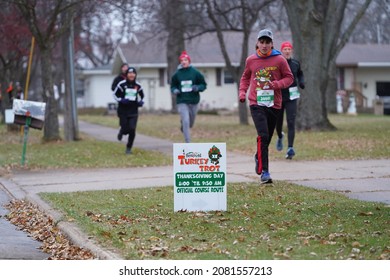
[71, 131]
[101, 28]
[14, 49]
[175, 22]
[372, 28]
[318, 37]
[173, 13]
[239, 16]
[182, 20]
[47, 26]
[273, 16]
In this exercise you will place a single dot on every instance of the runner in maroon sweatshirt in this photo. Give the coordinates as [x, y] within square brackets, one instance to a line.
[266, 73]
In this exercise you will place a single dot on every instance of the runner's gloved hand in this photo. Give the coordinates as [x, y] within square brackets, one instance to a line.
[124, 101]
[195, 88]
[176, 91]
[140, 103]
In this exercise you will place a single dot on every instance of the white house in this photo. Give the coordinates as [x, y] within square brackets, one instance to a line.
[363, 69]
[148, 56]
[97, 86]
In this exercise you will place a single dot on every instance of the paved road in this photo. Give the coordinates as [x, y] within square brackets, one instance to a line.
[367, 180]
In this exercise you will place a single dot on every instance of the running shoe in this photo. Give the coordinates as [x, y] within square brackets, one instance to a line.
[290, 153]
[279, 143]
[265, 178]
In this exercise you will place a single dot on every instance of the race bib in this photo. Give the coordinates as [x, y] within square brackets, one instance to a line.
[131, 94]
[294, 93]
[265, 97]
[186, 86]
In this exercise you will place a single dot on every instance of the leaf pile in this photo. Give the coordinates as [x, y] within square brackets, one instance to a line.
[27, 217]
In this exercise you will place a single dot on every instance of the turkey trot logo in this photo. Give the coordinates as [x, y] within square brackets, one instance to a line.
[215, 155]
[205, 164]
[263, 77]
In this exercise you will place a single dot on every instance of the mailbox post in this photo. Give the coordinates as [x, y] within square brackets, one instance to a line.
[25, 138]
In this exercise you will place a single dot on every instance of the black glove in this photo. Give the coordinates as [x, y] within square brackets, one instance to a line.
[302, 85]
[176, 91]
[140, 103]
[195, 88]
[124, 101]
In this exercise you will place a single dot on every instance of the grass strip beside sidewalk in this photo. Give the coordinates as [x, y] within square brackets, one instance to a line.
[286, 221]
[357, 137]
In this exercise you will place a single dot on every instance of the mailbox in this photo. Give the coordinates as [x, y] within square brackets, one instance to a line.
[35, 110]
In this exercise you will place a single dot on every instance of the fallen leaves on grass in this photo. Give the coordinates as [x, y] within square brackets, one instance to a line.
[41, 227]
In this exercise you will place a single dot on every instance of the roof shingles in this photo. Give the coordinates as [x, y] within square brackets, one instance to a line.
[206, 50]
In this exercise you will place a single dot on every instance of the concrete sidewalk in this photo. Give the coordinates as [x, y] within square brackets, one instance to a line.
[367, 180]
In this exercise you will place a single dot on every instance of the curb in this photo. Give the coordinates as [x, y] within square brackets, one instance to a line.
[75, 235]
[71, 231]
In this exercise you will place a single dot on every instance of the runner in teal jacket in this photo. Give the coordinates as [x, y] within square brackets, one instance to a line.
[187, 82]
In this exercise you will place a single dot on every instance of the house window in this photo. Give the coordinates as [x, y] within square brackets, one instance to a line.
[383, 88]
[227, 77]
[161, 74]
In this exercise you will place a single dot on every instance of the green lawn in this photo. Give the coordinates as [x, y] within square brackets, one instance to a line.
[86, 153]
[356, 137]
[286, 221]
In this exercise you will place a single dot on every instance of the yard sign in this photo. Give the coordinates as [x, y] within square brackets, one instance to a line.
[199, 176]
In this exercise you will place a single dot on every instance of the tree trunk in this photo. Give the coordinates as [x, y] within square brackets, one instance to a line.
[70, 120]
[51, 126]
[331, 90]
[242, 109]
[318, 39]
[175, 45]
[175, 25]
[68, 135]
[306, 23]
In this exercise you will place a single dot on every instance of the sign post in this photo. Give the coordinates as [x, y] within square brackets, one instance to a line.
[199, 176]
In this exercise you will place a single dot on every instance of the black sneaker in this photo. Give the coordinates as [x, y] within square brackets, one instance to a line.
[120, 135]
[128, 151]
[256, 164]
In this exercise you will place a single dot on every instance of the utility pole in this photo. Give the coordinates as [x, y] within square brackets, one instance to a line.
[75, 127]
